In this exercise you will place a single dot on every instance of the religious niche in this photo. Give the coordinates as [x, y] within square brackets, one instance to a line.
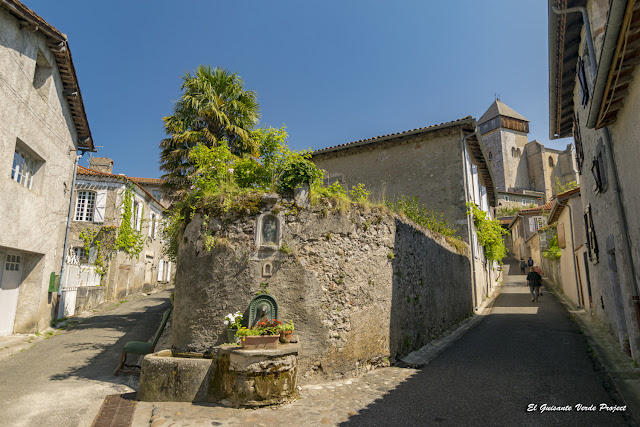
[268, 231]
[267, 269]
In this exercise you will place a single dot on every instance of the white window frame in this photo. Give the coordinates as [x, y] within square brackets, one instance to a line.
[524, 202]
[506, 198]
[538, 223]
[85, 206]
[24, 168]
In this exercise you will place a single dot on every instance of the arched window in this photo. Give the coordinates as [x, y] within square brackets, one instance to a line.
[519, 153]
[550, 161]
[513, 152]
[490, 156]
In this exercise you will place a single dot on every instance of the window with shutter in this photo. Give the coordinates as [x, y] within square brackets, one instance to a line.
[598, 169]
[582, 78]
[85, 206]
[577, 142]
[160, 270]
[591, 241]
[101, 204]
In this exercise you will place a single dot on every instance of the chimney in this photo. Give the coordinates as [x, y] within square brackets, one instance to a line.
[101, 164]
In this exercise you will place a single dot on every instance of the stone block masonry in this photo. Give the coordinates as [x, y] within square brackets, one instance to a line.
[362, 285]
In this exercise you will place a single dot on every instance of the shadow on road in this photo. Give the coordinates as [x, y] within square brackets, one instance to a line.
[133, 321]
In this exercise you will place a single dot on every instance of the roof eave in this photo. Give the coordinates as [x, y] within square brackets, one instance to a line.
[455, 123]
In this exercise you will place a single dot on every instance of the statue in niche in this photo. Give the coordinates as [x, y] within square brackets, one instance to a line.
[269, 230]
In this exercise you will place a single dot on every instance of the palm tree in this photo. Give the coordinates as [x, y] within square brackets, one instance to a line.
[214, 107]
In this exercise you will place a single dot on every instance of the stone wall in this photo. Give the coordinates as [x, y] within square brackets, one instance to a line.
[361, 285]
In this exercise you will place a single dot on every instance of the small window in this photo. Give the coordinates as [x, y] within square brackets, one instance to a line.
[538, 222]
[12, 263]
[513, 152]
[518, 153]
[24, 168]
[85, 205]
[490, 156]
[81, 256]
[592, 241]
[524, 202]
[598, 169]
[506, 198]
[550, 161]
[577, 142]
[584, 89]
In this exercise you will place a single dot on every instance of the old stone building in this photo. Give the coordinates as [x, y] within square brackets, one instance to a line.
[98, 268]
[525, 171]
[442, 165]
[44, 126]
[595, 97]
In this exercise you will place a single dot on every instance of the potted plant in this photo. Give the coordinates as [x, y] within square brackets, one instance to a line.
[233, 322]
[263, 336]
[286, 331]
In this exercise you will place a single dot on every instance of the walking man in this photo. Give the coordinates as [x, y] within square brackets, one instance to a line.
[534, 280]
[523, 265]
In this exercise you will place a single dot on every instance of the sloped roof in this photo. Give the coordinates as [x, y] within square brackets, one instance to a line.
[537, 209]
[381, 138]
[59, 46]
[90, 172]
[498, 108]
[557, 208]
[157, 181]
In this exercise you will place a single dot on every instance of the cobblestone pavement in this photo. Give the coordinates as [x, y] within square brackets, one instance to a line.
[321, 404]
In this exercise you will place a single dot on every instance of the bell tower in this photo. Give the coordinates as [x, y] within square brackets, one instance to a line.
[504, 135]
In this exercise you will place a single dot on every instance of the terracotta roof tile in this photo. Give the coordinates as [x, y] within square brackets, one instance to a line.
[544, 207]
[398, 134]
[157, 181]
[90, 172]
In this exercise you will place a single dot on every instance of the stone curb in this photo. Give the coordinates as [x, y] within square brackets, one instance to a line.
[619, 368]
[430, 351]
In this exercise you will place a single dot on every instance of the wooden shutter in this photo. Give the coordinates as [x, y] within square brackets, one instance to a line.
[139, 216]
[101, 204]
[160, 270]
[561, 239]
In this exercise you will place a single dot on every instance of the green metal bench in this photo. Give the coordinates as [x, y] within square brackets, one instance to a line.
[140, 348]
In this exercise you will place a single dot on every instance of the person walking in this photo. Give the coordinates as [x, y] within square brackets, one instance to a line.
[530, 263]
[534, 280]
[523, 265]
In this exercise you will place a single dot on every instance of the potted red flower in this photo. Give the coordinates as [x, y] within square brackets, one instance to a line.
[264, 335]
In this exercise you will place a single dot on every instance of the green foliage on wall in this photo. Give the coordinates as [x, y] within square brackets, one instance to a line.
[559, 187]
[412, 209]
[553, 252]
[513, 210]
[101, 242]
[489, 234]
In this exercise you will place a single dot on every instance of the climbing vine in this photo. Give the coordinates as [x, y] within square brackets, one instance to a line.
[129, 239]
[99, 243]
[489, 234]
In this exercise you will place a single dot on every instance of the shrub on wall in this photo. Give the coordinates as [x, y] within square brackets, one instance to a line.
[489, 234]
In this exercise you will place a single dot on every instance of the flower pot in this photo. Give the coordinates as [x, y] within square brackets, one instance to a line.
[260, 342]
[231, 336]
[285, 336]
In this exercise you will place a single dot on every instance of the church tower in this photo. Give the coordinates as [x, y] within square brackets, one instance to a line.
[504, 135]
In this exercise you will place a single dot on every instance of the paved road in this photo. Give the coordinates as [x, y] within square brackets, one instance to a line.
[62, 381]
[522, 354]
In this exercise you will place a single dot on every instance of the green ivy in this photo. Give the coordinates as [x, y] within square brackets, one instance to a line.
[412, 209]
[129, 240]
[489, 234]
[553, 252]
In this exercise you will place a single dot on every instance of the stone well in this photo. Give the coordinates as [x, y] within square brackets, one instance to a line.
[233, 377]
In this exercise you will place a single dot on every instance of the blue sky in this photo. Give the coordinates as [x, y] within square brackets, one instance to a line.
[332, 71]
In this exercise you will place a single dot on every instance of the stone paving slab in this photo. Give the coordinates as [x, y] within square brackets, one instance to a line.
[319, 404]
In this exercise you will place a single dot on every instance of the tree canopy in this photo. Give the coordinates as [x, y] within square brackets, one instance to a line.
[214, 109]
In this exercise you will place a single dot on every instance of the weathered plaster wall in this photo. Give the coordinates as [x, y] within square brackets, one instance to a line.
[610, 284]
[431, 166]
[361, 286]
[39, 121]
